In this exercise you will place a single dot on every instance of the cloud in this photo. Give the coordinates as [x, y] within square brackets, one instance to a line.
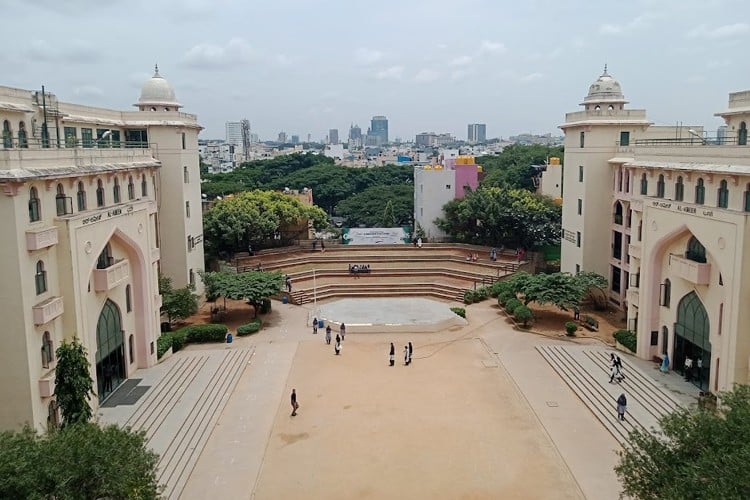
[426, 76]
[76, 51]
[725, 31]
[634, 24]
[462, 61]
[532, 77]
[492, 47]
[460, 74]
[88, 91]
[208, 55]
[391, 73]
[367, 56]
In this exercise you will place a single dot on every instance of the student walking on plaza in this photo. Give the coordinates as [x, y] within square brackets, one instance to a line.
[315, 327]
[328, 336]
[411, 352]
[295, 405]
[342, 329]
[337, 347]
[406, 355]
[392, 354]
[622, 404]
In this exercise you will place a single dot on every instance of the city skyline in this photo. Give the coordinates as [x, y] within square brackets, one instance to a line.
[222, 71]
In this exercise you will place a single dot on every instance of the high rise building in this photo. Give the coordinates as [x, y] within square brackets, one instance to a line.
[477, 133]
[379, 129]
[333, 136]
[93, 210]
[282, 137]
[355, 133]
[233, 133]
[295, 139]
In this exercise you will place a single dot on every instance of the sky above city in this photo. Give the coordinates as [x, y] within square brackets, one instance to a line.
[307, 66]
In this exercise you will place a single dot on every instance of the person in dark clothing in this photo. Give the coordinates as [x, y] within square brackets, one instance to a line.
[295, 405]
[342, 329]
[411, 351]
[328, 330]
[392, 355]
[338, 337]
[622, 404]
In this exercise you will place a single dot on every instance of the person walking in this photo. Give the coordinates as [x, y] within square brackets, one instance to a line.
[664, 368]
[622, 404]
[338, 338]
[406, 355]
[295, 405]
[688, 369]
[392, 355]
[328, 330]
[337, 347]
[288, 282]
[411, 352]
[322, 246]
[328, 336]
[342, 329]
[419, 242]
[315, 327]
[618, 364]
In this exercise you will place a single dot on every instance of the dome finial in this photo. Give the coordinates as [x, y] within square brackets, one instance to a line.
[156, 70]
[605, 68]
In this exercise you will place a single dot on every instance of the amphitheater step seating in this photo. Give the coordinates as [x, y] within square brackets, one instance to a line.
[586, 372]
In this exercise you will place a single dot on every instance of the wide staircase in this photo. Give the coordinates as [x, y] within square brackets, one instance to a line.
[586, 371]
[434, 270]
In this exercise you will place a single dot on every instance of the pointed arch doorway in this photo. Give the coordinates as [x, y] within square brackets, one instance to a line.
[110, 352]
[692, 340]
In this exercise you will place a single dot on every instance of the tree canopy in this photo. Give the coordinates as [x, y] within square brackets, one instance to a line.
[497, 216]
[176, 303]
[698, 453]
[563, 290]
[369, 206]
[73, 383]
[252, 286]
[81, 461]
[511, 169]
[233, 223]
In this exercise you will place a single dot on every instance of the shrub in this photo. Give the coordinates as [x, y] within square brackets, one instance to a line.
[179, 339]
[511, 305]
[591, 323]
[626, 338]
[249, 328]
[500, 287]
[460, 311]
[571, 327]
[163, 343]
[504, 297]
[481, 294]
[468, 297]
[523, 314]
[205, 333]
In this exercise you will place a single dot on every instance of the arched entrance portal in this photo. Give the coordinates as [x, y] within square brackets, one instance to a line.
[691, 341]
[110, 354]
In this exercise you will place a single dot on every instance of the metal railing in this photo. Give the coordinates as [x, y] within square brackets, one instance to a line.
[728, 140]
[69, 143]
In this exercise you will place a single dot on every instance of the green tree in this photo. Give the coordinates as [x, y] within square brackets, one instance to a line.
[368, 206]
[81, 461]
[698, 453]
[511, 169]
[252, 286]
[233, 223]
[73, 383]
[388, 219]
[496, 216]
[563, 290]
[176, 303]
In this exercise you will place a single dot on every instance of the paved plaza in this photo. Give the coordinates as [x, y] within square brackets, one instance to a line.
[483, 411]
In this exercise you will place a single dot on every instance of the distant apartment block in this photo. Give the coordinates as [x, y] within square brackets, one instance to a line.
[333, 136]
[477, 133]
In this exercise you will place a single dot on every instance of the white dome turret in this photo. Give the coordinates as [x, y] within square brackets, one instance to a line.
[605, 90]
[157, 95]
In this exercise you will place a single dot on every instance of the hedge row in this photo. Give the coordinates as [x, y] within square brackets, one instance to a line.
[192, 334]
[626, 338]
[478, 295]
[460, 311]
[249, 328]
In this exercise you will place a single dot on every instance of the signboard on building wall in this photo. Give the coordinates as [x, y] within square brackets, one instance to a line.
[375, 235]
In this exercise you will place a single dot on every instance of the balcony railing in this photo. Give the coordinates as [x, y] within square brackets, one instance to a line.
[36, 240]
[109, 277]
[727, 140]
[46, 311]
[47, 386]
[634, 250]
[695, 272]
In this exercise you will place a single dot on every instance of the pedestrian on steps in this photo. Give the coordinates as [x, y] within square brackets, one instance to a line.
[295, 405]
[622, 404]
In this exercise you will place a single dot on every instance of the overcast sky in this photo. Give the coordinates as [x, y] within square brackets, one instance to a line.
[305, 66]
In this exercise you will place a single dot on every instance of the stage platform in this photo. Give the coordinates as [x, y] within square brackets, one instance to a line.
[387, 315]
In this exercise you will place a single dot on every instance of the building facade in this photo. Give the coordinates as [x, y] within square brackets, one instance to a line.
[379, 130]
[96, 202]
[664, 213]
[477, 133]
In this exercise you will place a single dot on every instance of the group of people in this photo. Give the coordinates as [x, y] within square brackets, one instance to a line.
[339, 336]
[408, 352]
[417, 242]
[357, 269]
[615, 369]
[472, 257]
[322, 245]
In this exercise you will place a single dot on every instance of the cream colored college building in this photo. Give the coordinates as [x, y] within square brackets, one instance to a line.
[662, 212]
[95, 203]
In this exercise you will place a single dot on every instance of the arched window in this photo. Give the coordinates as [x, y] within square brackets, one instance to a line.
[128, 299]
[679, 189]
[35, 207]
[105, 258]
[7, 135]
[747, 198]
[618, 213]
[48, 351]
[23, 141]
[644, 184]
[695, 251]
[660, 187]
[700, 192]
[99, 193]
[583, 138]
[116, 190]
[667, 293]
[81, 197]
[131, 188]
[723, 196]
[62, 202]
[144, 186]
[742, 135]
[131, 348]
[627, 181]
[40, 278]
[185, 175]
